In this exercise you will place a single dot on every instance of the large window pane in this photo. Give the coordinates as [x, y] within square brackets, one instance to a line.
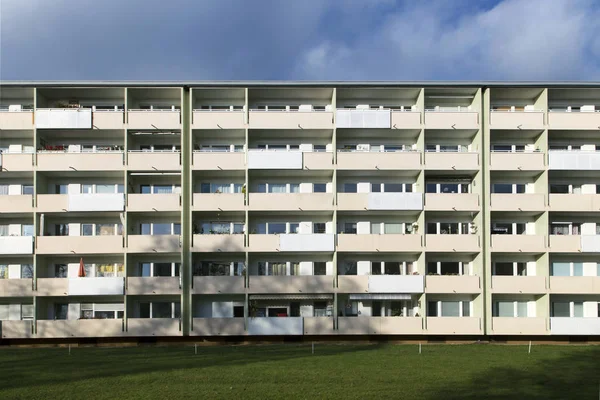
[505, 309]
[577, 269]
[162, 269]
[561, 309]
[161, 310]
[105, 188]
[393, 228]
[350, 188]
[276, 228]
[521, 309]
[161, 229]
[578, 309]
[502, 188]
[451, 308]
[561, 269]
[504, 269]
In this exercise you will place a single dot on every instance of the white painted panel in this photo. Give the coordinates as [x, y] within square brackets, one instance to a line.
[63, 119]
[306, 310]
[396, 284]
[342, 118]
[275, 326]
[96, 202]
[16, 245]
[574, 326]
[74, 311]
[590, 309]
[531, 309]
[306, 268]
[310, 242]
[363, 119]
[14, 312]
[14, 271]
[203, 310]
[395, 201]
[222, 309]
[14, 190]
[363, 267]
[590, 243]
[95, 286]
[275, 160]
[574, 160]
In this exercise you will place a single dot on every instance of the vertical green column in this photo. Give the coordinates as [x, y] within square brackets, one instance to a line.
[186, 215]
[486, 275]
[36, 224]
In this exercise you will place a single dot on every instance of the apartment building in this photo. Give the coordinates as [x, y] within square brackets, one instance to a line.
[211, 209]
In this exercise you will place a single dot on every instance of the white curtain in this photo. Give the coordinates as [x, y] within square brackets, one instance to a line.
[162, 189]
[393, 228]
[277, 188]
[3, 230]
[221, 188]
[3, 190]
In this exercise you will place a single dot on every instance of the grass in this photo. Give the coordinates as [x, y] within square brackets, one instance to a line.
[290, 371]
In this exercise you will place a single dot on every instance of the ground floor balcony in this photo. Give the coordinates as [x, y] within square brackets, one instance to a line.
[519, 326]
[153, 327]
[454, 326]
[16, 329]
[380, 325]
[574, 326]
[80, 328]
[16, 287]
[218, 327]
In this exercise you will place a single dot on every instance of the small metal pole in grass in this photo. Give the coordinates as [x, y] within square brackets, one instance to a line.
[69, 348]
[419, 347]
[529, 347]
[196, 348]
[313, 347]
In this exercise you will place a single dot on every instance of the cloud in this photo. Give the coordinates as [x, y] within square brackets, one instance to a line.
[308, 39]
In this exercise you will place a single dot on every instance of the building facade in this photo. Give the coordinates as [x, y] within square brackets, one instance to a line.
[134, 209]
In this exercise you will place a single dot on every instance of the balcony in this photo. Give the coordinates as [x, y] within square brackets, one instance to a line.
[406, 119]
[530, 161]
[218, 243]
[153, 327]
[16, 203]
[290, 119]
[154, 243]
[218, 202]
[363, 118]
[259, 159]
[147, 161]
[218, 119]
[519, 284]
[154, 119]
[108, 119]
[518, 202]
[52, 287]
[453, 243]
[16, 245]
[574, 202]
[16, 162]
[452, 161]
[518, 243]
[205, 161]
[380, 325]
[15, 120]
[96, 286]
[154, 202]
[451, 120]
[575, 284]
[291, 284]
[574, 326]
[218, 284]
[396, 284]
[63, 118]
[379, 160]
[353, 284]
[63, 161]
[380, 201]
[452, 202]
[80, 328]
[290, 201]
[157, 285]
[317, 160]
[319, 242]
[574, 160]
[16, 287]
[517, 120]
[380, 243]
[318, 326]
[519, 326]
[573, 120]
[452, 284]
[16, 329]
[80, 202]
[270, 326]
[79, 244]
[454, 326]
[218, 327]
[590, 243]
[565, 243]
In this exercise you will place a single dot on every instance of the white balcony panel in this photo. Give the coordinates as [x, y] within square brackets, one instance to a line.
[395, 201]
[16, 245]
[95, 286]
[96, 202]
[275, 326]
[396, 284]
[306, 242]
[574, 160]
[80, 118]
[275, 160]
[590, 243]
[363, 119]
[574, 326]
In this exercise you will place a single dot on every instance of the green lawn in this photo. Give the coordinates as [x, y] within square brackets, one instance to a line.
[344, 371]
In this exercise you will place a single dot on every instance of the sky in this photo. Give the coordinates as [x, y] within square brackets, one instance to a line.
[465, 40]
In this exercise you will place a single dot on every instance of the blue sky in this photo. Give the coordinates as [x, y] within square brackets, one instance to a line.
[299, 40]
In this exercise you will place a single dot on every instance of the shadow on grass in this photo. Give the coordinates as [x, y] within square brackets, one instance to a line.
[38, 367]
[567, 375]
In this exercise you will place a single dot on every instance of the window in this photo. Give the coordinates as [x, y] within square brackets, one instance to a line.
[61, 311]
[447, 228]
[320, 268]
[349, 228]
[60, 270]
[508, 188]
[348, 268]
[3, 271]
[572, 309]
[3, 190]
[510, 268]
[26, 271]
[27, 189]
[375, 268]
[26, 312]
[350, 188]
[214, 268]
[319, 227]
[275, 228]
[392, 268]
[62, 229]
[320, 188]
[506, 228]
[565, 228]
[448, 308]
[161, 310]
[61, 189]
